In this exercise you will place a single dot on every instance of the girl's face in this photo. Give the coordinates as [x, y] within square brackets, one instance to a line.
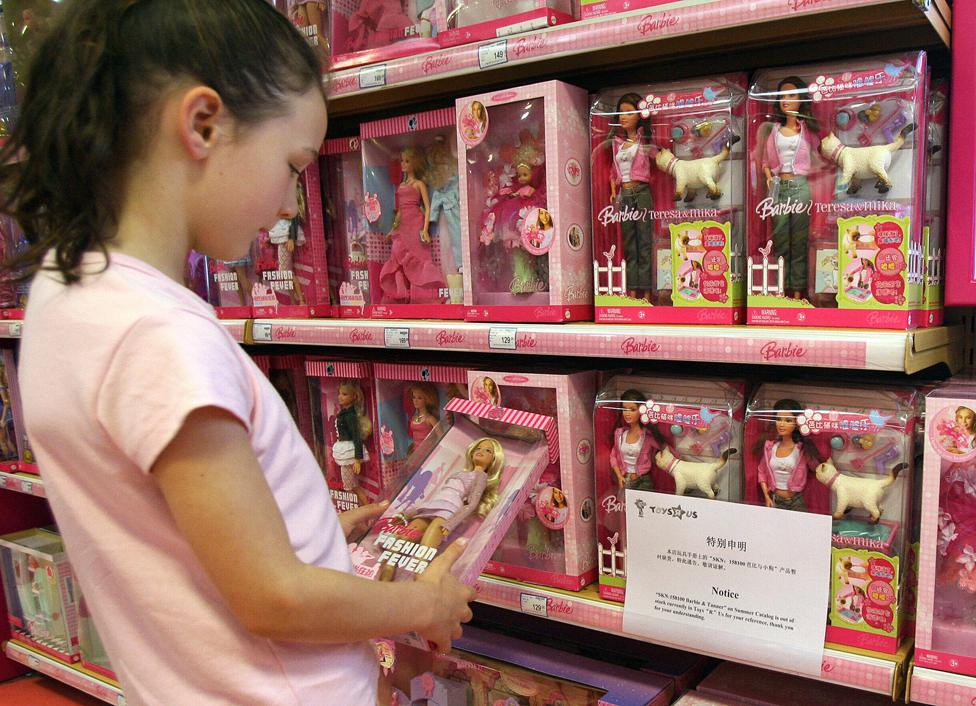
[419, 402]
[629, 117]
[245, 178]
[478, 111]
[630, 412]
[785, 424]
[524, 174]
[483, 454]
[345, 395]
[545, 219]
[965, 418]
[789, 101]
[557, 497]
[489, 386]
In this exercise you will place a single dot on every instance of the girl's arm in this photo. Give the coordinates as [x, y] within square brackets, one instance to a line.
[210, 471]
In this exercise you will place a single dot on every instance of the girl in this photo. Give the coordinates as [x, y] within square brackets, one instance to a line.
[187, 499]
[353, 427]
[787, 461]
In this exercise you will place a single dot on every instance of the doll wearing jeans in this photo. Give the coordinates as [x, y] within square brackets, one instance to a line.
[634, 459]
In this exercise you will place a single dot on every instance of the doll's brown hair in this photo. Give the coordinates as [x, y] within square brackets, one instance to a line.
[429, 393]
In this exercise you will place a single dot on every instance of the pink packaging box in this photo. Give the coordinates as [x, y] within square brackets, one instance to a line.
[945, 630]
[373, 31]
[668, 166]
[226, 285]
[599, 8]
[468, 478]
[410, 403]
[934, 230]
[475, 20]
[838, 436]
[648, 430]
[311, 17]
[553, 540]
[343, 404]
[16, 455]
[341, 167]
[287, 376]
[410, 189]
[290, 271]
[13, 297]
[836, 194]
[524, 210]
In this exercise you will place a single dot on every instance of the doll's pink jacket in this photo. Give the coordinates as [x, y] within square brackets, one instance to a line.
[640, 170]
[803, 161]
[644, 460]
[798, 477]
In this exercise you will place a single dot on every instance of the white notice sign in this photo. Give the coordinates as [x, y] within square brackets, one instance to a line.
[745, 582]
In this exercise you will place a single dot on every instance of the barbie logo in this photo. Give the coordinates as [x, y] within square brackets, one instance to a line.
[433, 63]
[774, 351]
[767, 208]
[639, 345]
[797, 5]
[449, 338]
[654, 23]
[359, 335]
[344, 83]
[525, 340]
[611, 504]
[527, 45]
[285, 333]
[610, 214]
[515, 379]
[885, 319]
[504, 96]
[557, 606]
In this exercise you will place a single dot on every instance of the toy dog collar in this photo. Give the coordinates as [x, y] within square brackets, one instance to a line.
[671, 164]
[835, 153]
[832, 479]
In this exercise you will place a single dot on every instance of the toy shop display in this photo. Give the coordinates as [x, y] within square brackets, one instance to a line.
[469, 478]
[290, 272]
[599, 8]
[553, 540]
[40, 590]
[847, 452]
[668, 435]
[667, 200]
[489, 669]
[411, 203]
[224, 284]
[836, 193]
[287, 375]
[93, 654]
[311, 17]
[343, 404]
[524, 219]
[371, 31]
[934, 230]
[945, 632]
[474, 20]
[16, 455]
[341, 167]
[13, 295]
[410, 403]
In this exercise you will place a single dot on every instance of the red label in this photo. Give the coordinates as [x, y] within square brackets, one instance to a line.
[515, 379]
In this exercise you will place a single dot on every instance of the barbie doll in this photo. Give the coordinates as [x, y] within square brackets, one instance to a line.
[787, 460]
[377, 23]
[630, 190]
[475, 488]
[787, 161]
[410, 274]
[353, 427]
[444, 195]
[424, 415]
[310, 13]
[8, 436]
[286, 235]
[634, 445]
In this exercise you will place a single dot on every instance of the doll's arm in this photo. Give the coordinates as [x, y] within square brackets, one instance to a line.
[470, 502]
[425, 197]
[765, 479]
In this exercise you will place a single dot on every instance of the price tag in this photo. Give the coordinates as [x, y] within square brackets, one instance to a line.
[3, 481]
[372, 76]
[262, 332]
[396, 337]
[33, 662]
[120, 701]
[26, 486]
[502, 338]
[534, 605]
[16, 329]
[493, 54]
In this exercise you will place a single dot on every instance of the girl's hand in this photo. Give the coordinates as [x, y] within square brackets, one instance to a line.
[358, 520]
[449, 599]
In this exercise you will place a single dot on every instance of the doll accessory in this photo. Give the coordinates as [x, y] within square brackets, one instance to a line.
[692, 174]
[701, 475]
[858, 163]
[850, 492]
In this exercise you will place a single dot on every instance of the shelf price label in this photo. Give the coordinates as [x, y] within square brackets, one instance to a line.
[16, 329]
[262, 332]
[532, 604]
[396, 337]
[27, 487]
[502, 338]
[493, 54]
[372, 76]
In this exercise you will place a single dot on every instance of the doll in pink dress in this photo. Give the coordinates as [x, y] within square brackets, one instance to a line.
[634, 446]
[455, 499]
[377, 23]
[955, 587]
[410, 275]
[787, 460]
[424, 417]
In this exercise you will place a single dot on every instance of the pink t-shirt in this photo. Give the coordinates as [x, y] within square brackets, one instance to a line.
[110, 369]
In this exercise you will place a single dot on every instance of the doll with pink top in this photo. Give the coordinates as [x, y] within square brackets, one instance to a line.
[551, 541]
[525, 235]
[847, 452]
[677, 436]
[667, 201]
[836, 193]
[410, 204]
[371, 31]
[469, 21]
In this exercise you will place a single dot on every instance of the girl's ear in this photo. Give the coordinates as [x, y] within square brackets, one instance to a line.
[200, 112]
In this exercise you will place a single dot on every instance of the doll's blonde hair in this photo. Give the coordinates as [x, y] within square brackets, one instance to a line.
[359, 404]
[429, 393]
[443, 164]
[419, 158]
[494, 472]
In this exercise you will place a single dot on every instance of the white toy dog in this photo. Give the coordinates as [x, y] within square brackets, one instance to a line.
[850, 492]
[692, 174]
[692, 474]
[857, 163]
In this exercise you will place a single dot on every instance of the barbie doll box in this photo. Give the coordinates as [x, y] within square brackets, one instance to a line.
[410, 403]
[933, 233]
[945, 631]
[678, 435]
[373, 31]
[287, 376]
[475, 20]
[667, 192]
[16, 455]
[469, 478]
[836, 194]
[525, 222]
[40, 589]
[599, 8]
[411, 202]
[341, 168]
[848, 452]
[553, 540]
[343, 405]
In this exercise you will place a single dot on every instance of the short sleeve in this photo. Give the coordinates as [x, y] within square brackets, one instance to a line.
[164, 368]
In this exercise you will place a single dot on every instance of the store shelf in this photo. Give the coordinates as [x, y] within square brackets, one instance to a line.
[868, 671]
[930, 686]
[898, 351]
[71, 675]
[696, 33]
[11, 329]
[22, 483]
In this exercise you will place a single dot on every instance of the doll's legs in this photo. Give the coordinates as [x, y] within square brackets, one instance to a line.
[286, 263]
[243, 284]
[636, 236]
[350, 483]
[419, 527]
[791, 236]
